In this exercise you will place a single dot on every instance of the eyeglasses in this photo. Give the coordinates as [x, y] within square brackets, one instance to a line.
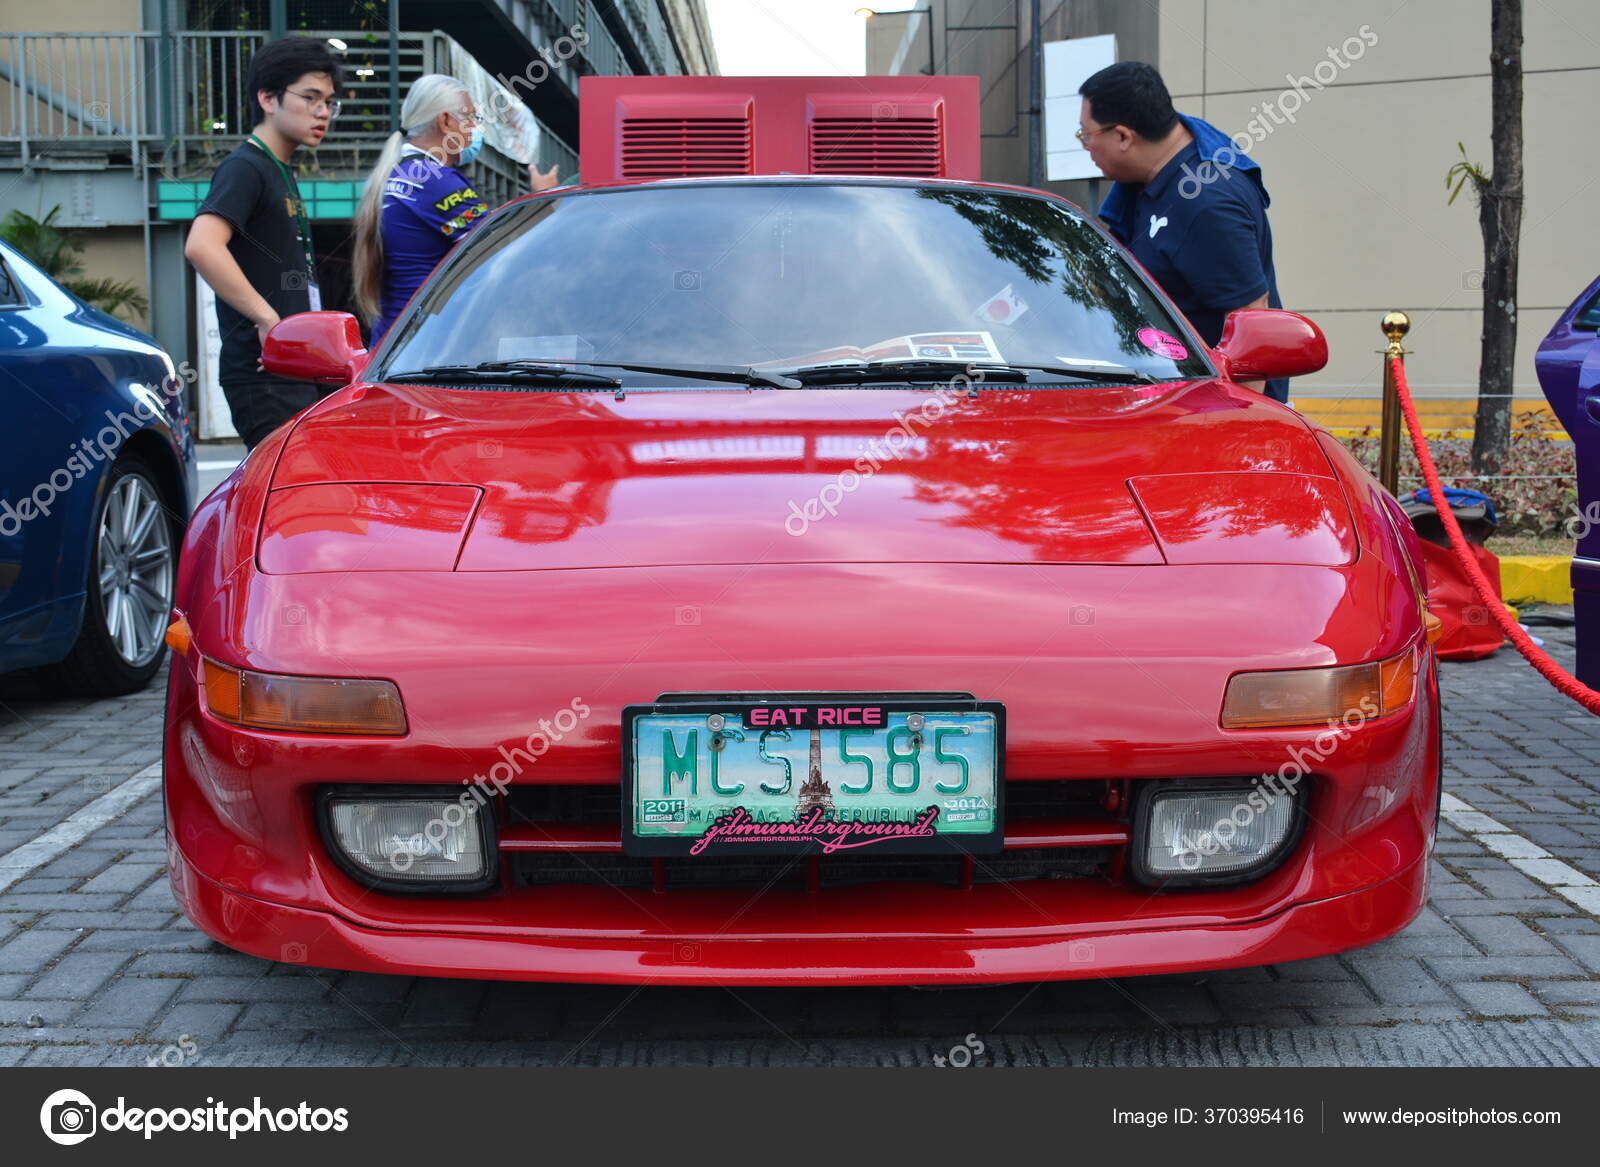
[317, 102]
[467, 119]
[1084, 135]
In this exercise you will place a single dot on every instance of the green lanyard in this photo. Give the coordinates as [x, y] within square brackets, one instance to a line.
[302, 224]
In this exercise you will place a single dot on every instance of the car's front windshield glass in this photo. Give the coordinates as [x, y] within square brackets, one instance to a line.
[783, 276]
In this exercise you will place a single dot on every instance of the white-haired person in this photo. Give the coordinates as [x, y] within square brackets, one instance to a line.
[417, 204]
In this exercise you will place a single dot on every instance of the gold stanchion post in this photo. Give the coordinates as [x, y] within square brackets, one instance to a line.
[1395, 327]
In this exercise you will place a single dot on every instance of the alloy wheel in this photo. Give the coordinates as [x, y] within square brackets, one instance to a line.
[136, 568]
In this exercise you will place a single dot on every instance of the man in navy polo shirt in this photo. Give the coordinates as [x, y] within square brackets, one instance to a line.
[1189, 206]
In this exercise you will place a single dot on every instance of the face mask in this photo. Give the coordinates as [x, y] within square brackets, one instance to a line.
[472, 147]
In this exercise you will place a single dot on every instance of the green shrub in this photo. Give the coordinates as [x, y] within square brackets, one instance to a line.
[1537, 493]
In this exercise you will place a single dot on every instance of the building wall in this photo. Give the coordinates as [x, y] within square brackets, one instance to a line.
[78, 16]
[117, 253]
[1359, 214]
[692, 28]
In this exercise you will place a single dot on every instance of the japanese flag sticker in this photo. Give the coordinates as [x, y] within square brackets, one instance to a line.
[1003, 307]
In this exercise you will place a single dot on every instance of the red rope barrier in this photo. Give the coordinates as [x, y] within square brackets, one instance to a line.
[1537, 657]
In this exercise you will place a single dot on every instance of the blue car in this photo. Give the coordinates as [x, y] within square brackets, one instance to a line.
[97, 481]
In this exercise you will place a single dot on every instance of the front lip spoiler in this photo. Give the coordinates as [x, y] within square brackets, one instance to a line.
[324, 939]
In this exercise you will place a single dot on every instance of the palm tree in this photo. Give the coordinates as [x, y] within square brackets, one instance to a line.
[58, 251]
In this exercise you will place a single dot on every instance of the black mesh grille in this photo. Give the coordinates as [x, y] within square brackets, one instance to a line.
[789, 871]
[1054, 798]
[565, 803]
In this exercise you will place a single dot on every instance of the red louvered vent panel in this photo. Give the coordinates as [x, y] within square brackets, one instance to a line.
[877, 145]
[684, 147]
[641, 129]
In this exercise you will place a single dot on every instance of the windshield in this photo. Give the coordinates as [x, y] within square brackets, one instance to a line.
[784, 276]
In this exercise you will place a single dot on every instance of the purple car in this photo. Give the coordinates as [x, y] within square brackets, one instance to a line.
[1568, 363]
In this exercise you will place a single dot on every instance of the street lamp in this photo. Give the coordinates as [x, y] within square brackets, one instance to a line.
[869, 13]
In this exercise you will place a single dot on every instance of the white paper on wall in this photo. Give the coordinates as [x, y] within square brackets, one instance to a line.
[1067, 65]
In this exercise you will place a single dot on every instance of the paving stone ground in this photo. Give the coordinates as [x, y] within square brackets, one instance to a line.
[98, 967]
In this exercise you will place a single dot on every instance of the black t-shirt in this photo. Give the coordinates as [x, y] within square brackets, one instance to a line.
[248, 190]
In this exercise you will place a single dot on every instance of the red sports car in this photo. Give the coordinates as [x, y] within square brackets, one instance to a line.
[799, 581]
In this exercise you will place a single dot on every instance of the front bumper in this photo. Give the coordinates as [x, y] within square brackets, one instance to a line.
[250, 869]
[323, 939]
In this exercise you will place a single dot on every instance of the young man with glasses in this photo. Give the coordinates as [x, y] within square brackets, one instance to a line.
[251, 240]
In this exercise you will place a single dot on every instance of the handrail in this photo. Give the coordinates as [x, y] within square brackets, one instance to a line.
[62, 93]
[57, 94]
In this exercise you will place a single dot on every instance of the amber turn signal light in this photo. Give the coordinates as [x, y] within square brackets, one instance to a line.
[1293, 697]
[179, 636]
[303, 704]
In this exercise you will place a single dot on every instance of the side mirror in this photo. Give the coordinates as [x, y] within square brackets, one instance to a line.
[315, 346]
[1259, 343]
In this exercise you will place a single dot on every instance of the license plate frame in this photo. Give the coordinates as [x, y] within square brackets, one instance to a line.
[745, 705]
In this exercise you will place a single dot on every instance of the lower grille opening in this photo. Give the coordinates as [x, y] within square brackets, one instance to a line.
[569, 803]
[564, 802]
[1054, 798]
[789, 871]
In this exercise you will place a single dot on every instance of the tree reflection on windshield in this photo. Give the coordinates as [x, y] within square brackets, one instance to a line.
[764, 273]
[1022, 232]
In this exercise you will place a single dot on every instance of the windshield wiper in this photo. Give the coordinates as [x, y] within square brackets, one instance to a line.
[1113, 374]
[902, 370]
[939, 370]
[738, 374]
[507, 371]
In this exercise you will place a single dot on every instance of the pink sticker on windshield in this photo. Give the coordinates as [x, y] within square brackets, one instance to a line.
[1162, 343]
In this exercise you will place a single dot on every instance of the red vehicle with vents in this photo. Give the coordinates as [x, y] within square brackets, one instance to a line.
[780, 580]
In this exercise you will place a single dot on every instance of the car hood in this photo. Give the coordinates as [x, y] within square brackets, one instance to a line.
[408, 477]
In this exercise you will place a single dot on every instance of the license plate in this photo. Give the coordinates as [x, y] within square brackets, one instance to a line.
[815, 776]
